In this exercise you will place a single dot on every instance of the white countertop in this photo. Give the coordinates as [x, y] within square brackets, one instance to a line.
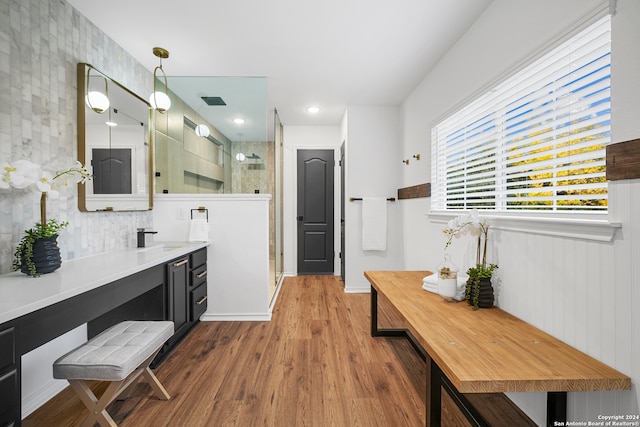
[21, 294]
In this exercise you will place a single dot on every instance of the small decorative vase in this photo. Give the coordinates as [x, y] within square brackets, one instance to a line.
[485, 293]
[448, 279]
[46, 256]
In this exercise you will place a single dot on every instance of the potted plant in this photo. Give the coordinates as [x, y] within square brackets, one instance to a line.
[479, 289]
[38, 251]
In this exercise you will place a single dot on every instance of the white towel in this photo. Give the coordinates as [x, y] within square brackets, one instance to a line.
[198, 230]
[374, 223]
[430, 284]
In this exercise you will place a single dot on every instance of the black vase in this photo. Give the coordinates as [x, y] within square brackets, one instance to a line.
[46, 256]
[485, 296]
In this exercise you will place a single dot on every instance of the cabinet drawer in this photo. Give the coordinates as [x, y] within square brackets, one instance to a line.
[9, 394]
[7, 348]
[198, 302]
[198, 258]
[198, 275]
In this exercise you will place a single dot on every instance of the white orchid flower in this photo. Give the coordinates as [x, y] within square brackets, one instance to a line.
[19, 174]
[474, 217]
[5, 178]
[23, 173]
[75, 174]
[44, 182]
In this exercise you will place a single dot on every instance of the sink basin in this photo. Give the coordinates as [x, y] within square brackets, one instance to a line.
[163, 247]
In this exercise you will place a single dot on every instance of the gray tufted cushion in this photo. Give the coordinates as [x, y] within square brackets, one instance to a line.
[115, 353]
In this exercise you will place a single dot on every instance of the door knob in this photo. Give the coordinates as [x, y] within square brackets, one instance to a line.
[300, 218]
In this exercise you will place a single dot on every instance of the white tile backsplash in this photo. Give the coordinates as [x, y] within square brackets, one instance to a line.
[41, 42]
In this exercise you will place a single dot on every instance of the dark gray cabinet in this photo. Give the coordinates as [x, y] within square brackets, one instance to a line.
[177, 291]
[10, 413]
[166, 290]
[186, 289]
[198, 285]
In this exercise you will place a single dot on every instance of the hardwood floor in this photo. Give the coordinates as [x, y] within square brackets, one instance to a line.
[314, 364]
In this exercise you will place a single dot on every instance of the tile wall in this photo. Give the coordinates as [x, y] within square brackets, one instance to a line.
[41, 41]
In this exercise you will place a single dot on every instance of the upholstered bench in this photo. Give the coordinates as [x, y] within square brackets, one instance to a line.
[119, 355]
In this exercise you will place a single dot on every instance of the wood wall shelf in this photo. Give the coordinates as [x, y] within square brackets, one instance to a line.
[623, 160]
[415, 191]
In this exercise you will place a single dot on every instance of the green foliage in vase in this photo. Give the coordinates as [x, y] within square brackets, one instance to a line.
[25, 247]
[476, 274]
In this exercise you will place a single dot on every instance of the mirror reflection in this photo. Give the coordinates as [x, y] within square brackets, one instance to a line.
[113, 143]
[211, 121]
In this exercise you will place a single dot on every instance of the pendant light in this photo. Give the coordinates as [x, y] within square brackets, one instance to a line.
[160, 101]
[96, 100]
[202, 130]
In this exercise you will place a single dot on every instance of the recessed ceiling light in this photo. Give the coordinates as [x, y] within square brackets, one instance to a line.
[313, 109]
[239, 121]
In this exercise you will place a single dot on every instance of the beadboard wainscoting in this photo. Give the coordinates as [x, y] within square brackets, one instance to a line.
[579, 289]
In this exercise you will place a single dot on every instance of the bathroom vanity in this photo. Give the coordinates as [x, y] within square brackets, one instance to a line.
[161, 282]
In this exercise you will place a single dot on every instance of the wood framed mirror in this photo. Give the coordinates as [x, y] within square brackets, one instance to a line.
[114, 143]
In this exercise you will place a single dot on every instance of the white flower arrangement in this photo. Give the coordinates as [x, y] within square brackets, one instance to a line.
[471, 223]
[22, 173]
[477, 226]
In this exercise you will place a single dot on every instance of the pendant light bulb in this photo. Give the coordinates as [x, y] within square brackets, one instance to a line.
[97, 101]
[202, 130]
[160, 101]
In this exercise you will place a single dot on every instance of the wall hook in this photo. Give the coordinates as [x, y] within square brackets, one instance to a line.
[416, 156]
[406, 162]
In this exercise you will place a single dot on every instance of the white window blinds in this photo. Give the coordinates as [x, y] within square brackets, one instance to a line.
[535, 142]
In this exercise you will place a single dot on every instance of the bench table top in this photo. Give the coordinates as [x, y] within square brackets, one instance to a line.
[490, 350]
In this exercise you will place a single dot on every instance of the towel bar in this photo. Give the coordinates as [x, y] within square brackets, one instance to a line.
[355, 199]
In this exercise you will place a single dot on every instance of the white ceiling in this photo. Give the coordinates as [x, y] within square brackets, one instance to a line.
[330, 53]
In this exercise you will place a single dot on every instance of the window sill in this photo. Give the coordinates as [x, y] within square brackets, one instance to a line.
[601, 230]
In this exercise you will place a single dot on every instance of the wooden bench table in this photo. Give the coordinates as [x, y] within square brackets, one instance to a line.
[484, 351]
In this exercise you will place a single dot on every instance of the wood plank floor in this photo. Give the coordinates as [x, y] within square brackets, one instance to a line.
[314, 364]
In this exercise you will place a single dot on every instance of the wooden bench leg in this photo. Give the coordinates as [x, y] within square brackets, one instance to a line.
[97, 408]
[155, 384]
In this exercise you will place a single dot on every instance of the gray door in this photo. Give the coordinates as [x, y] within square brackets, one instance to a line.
[315, 211]
[111, 170]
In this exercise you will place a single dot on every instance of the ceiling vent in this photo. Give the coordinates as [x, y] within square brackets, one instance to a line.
[213, 100]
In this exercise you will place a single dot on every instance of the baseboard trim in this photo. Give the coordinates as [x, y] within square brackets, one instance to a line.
[357, 290]
[41, 396]
[236, 317]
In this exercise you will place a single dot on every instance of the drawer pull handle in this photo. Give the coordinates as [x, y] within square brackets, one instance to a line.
[204, 273]
[183, 262]
[204, 298]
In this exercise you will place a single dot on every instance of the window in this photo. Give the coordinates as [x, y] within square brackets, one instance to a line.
[536, 142]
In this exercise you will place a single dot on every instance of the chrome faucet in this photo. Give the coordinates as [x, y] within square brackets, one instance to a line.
[141, 239]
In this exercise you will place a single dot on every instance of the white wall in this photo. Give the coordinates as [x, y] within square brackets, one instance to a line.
[373, 162]
[238, 257]
[582, 291]
[306, 137]
[372, 141]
